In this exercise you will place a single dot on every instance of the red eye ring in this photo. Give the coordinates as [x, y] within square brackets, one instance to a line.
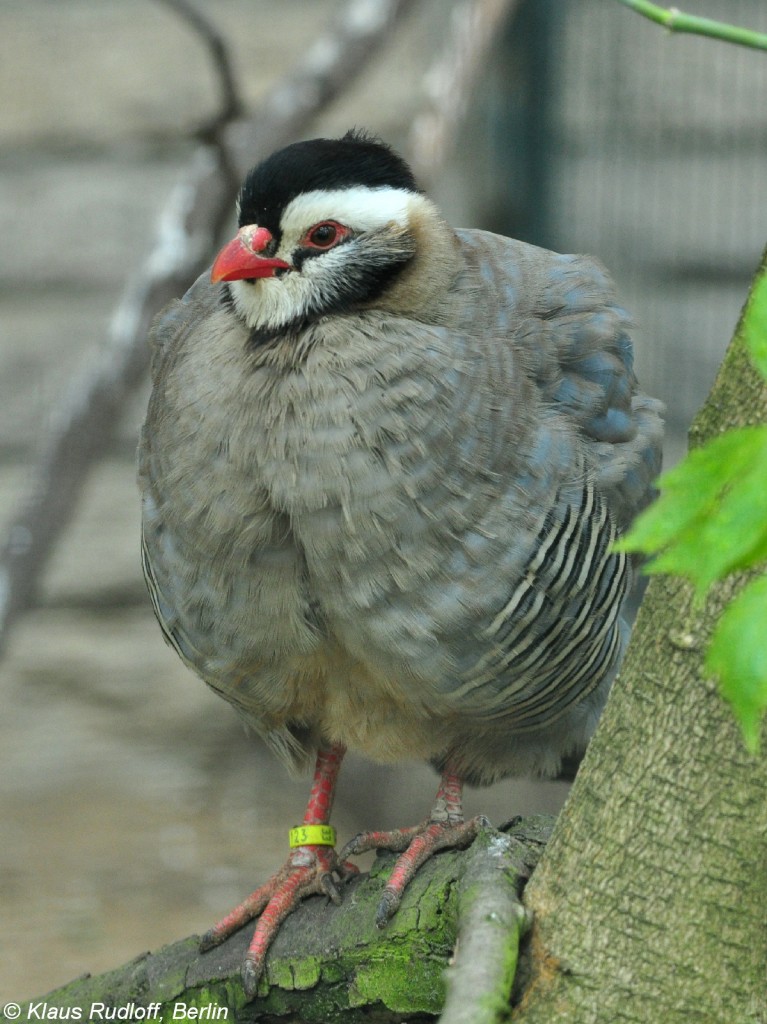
[325, 235]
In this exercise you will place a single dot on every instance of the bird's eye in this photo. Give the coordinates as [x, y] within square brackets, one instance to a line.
[325, 235]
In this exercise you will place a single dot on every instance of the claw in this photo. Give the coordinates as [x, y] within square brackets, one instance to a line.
[352, 846]
[387, 908]
[251, 973]
[330, 888]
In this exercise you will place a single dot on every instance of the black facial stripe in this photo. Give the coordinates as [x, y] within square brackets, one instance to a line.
[366, 282]
[300, 256]
[260, 337]
[360, 284]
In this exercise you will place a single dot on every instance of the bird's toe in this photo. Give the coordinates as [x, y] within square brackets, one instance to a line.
[415, 846]
[310, 870]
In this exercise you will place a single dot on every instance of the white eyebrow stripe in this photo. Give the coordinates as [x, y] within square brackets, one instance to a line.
[358, 207]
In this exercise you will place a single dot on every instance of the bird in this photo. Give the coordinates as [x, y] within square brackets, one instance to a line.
[382, 471]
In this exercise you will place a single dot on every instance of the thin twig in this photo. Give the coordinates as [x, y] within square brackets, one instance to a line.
[231, 103]
[491, 922]
[677, 21]
[84, 425]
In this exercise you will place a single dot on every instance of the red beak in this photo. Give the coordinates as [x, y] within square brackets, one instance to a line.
[240, 258]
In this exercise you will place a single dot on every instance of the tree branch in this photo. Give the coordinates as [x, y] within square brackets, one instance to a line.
[331, 962]
[491, 923]
[231, 104]
[83, 426]
[676, 21]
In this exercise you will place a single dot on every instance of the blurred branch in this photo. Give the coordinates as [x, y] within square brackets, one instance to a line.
[231, 104]
[449, 81]
[83, 426]
[676, 21]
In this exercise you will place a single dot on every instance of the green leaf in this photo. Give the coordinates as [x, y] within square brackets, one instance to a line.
[737, 655]
[710, 518]
[755, 325]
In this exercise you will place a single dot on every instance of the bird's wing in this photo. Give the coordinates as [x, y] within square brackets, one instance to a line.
[532, 591]
[561, 314]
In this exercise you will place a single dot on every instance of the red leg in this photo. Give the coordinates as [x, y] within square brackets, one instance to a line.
[445, 828]
[309, 869]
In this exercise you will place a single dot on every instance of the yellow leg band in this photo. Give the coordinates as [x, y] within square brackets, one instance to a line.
[312, 835]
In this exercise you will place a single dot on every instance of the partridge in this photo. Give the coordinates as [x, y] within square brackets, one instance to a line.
[383, 466]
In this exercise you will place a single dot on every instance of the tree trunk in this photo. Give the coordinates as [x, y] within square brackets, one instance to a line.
[650, 902]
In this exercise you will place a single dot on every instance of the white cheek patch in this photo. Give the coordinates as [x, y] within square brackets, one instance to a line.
[271, 301]
[359, 208]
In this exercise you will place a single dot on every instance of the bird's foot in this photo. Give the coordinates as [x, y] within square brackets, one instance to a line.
[417, 844]
[309, 869]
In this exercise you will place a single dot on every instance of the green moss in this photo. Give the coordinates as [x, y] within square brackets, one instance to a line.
[409, 981]
[173, 981]
[209, 1002]
[404, 973]
[306, 973]
[345, 962]
[401, 968]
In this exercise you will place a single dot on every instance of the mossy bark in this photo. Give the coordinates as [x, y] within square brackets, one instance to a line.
[650, 901]
[330, 963]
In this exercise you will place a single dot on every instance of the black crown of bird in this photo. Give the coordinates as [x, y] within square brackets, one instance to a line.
[382, 469]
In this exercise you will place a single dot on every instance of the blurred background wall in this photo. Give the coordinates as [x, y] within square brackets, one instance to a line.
[134, 810]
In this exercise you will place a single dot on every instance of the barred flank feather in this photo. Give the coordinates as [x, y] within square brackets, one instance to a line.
[558, 635]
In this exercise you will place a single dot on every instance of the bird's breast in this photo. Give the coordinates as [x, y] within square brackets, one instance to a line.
[331, 542]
